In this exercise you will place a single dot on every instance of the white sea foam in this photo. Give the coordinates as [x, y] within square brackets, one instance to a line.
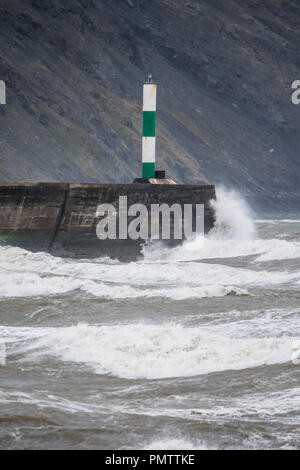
[216, 248]
[29, 284]
[253, 404]
[210, 407]
[278, 221]
[253, 323]
[176, 293]
[190, 273]
[176, 443]
[2, 354]
[45, 400]
[182, 281]
[278, 250]
[153, 351]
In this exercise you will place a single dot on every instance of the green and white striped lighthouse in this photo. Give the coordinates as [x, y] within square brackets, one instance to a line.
[149, 116]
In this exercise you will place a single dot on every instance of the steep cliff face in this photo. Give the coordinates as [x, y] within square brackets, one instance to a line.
[74, 71]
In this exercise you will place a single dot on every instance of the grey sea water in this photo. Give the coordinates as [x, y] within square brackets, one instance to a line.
[190, 348]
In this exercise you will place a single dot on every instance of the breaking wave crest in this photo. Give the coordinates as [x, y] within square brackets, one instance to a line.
[151, 351]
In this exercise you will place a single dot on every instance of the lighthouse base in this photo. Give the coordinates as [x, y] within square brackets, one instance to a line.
[154, 181]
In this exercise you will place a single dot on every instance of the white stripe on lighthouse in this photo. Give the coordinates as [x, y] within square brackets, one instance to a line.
[149, 97]
[148, 149]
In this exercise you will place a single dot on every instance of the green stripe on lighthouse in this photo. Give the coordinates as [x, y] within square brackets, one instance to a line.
[149, 123]
[148, 170]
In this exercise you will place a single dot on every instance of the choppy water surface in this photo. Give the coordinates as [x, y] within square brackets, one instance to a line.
[188, 348]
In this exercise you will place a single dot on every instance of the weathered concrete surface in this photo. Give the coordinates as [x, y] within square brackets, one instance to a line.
[61, 218]
[30, 213]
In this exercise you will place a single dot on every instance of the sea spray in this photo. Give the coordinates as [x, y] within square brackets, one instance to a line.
[234, 219]
[234, 235]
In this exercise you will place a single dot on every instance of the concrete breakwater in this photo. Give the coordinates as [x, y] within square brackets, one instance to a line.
[60, 218]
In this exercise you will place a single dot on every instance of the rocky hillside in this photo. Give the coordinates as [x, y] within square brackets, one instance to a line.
[74, 71]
